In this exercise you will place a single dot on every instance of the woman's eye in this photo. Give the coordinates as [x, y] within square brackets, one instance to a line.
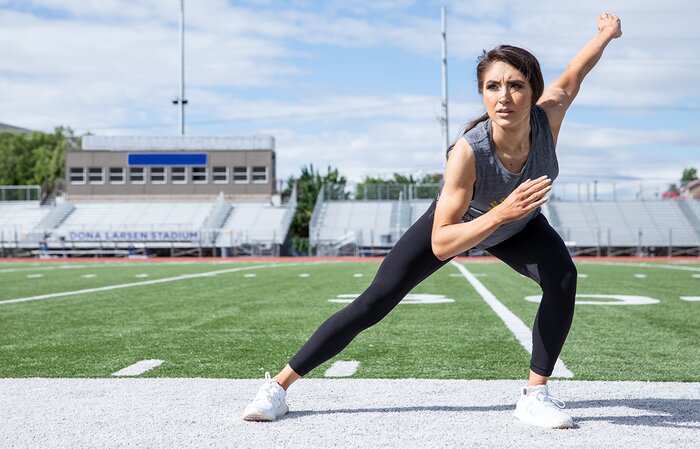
[516, 86]
[492, 87]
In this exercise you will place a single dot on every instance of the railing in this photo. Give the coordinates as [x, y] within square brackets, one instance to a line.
[593, 190]
[20, 193]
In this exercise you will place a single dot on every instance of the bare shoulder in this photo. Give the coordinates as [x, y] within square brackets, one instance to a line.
[554, 101]
[461, 161]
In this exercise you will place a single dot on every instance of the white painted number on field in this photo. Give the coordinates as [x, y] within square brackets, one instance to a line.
[342, 369]
[138, 368]
[690, 298]
[412, 298]
[608, 300]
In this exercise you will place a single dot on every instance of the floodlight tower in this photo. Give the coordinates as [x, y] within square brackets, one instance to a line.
[181, 101]
[444, 120]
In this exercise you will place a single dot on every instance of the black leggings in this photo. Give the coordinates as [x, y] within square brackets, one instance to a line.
[536, 252]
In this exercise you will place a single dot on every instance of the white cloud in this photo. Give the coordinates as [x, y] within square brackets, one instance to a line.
[112, 66]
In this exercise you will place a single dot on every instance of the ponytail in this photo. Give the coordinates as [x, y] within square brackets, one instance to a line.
[468, 127]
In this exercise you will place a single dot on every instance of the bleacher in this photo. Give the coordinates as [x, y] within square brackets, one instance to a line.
[251, 223]
[369, 221]
[18, 219]
[631, 225]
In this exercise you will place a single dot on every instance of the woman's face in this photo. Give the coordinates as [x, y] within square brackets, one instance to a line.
[507, 95]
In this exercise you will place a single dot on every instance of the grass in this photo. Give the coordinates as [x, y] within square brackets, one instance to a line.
[234, 326]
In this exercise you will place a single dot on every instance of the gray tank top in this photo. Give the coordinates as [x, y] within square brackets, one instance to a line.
[494, 182]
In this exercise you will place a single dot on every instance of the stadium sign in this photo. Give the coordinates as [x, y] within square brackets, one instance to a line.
[133, 236]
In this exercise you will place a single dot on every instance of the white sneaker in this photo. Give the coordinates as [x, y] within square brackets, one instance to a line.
[269, 404]
[538, 408]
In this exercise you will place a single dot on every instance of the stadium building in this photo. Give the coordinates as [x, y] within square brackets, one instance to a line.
[150, 196]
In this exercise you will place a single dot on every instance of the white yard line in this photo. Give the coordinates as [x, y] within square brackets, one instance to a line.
[690, 298]
[151, 282]
[138, 368]
[644, 265]
[60, 267]
[514, 324]
[342, 369]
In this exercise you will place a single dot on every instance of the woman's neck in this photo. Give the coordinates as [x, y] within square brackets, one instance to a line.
[512, 140]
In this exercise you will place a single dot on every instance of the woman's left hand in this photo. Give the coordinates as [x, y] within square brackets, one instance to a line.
[610, 24]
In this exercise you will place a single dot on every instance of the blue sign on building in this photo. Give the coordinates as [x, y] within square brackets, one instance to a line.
[168, 159]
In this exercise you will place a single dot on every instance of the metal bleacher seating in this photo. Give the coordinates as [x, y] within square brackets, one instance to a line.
[18, 218]
[369, 221]
[142, 215]
[582, 224]
[254, 222]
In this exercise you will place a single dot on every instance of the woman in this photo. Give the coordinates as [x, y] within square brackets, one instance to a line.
[496, 179]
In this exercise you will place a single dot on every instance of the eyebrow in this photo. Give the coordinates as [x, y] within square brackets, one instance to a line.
[510, 81]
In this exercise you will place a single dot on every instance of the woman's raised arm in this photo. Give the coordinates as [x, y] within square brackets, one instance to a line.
[557, 98]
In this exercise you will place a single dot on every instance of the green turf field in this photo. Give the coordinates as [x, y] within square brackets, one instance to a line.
[233, 325]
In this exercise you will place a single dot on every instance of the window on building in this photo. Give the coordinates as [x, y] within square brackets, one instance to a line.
[178, 175]
[219, 175]
[259, 175]
[136, 175]
[199, 175]
[96, 175]
[116, 175]
[157, 175]
[240, 175]
[77, 175]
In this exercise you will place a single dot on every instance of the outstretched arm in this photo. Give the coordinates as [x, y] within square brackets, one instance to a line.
[557, 98]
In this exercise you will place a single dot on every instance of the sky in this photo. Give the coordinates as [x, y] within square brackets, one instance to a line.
[354, 84]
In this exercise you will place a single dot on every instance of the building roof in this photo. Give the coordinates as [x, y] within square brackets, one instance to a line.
[13, 129]
[177, 143]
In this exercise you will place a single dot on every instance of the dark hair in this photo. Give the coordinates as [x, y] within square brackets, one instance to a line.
[517, 57]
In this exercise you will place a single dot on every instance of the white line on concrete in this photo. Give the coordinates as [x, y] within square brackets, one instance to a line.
[138, 368]
[151, 282]
[342, 369]
[690, 298]
[514, 324]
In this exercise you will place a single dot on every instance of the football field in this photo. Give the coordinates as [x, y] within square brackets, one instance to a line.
[227, 320]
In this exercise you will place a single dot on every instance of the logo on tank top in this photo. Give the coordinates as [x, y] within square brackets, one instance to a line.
[493, 204]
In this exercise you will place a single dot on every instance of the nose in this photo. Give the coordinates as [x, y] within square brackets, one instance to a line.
[504, 96]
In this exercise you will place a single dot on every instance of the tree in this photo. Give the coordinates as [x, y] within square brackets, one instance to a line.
[35, 158]
[673, 191]
[308, 187]
[689, 175]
